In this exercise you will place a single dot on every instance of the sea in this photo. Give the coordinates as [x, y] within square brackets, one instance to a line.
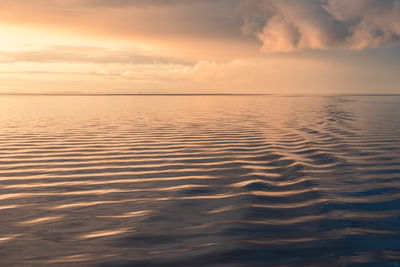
[199, 180]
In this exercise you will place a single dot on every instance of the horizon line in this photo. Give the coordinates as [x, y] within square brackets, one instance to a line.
[125, 94]
[190, 94]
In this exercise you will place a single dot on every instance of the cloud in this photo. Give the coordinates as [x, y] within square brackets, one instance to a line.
[146, 3]
[290, 25]
[82, 54]
[206, 25]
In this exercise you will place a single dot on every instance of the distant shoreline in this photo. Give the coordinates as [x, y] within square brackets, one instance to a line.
[29, 94]
[217, 94]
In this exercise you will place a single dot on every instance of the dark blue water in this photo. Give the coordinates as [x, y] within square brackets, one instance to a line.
[199, 181]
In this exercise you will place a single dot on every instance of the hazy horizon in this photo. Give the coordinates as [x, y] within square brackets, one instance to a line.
[187, 94]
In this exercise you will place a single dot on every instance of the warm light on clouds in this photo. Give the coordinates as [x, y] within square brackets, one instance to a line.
[288, 25]
[229, 46]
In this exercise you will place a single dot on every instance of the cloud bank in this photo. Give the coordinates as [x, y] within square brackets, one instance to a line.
[291, 25]
[146, 3]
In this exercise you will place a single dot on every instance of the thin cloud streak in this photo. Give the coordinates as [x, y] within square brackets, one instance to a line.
[148, 3]
[75, 54]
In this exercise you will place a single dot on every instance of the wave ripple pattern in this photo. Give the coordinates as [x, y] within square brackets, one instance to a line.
[199, 181]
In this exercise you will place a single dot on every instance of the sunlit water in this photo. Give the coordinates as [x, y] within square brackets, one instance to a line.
[199, 181]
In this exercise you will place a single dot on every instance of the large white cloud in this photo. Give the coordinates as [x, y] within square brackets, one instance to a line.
[290, 25]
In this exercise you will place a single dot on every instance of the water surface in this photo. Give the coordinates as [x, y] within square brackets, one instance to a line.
[199, 181]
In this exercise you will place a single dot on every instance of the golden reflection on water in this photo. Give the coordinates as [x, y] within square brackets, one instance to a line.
[41, 220]
[9, 207]
[71, 259]
[78, 258]
[4, 239]
[129, 214]
[100, 182]
[105, 233]
[92, 180]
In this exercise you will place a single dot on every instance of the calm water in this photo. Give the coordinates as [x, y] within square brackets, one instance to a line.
[199, 181]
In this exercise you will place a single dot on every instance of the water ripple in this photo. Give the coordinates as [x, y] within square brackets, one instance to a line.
[200, 181]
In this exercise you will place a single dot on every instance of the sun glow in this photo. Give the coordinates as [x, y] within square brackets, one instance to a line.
[17, 37]
[198, 47]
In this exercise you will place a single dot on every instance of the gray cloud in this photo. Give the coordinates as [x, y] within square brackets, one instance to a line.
[290, 25]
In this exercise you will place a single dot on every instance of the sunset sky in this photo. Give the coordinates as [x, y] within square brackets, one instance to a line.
[200, 46]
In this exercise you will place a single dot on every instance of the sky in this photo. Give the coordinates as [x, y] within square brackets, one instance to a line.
[200, 46]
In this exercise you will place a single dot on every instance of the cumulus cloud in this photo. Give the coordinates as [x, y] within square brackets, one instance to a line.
[290, 25]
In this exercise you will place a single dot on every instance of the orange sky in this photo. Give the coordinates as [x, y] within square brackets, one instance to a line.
[185, 46]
